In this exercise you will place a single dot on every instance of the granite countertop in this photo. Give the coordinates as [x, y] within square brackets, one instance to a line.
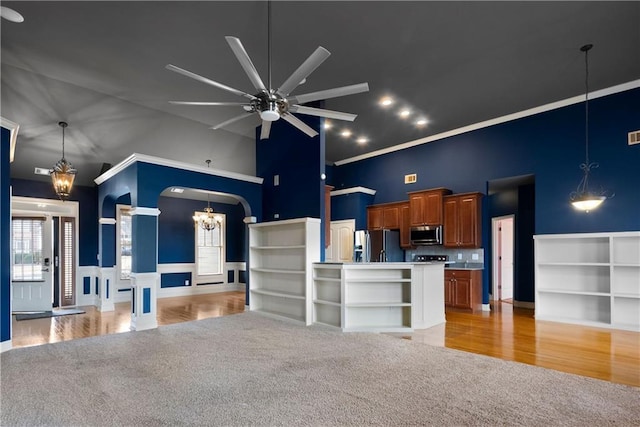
[465, 266]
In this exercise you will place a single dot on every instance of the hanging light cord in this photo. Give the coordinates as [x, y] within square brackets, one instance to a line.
[586, 103]
[269, 44]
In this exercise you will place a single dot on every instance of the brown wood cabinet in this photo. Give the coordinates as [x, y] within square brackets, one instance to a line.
[405, 226]
[426, 206]
[385, 216]
[374, 217]
[327, 215]
[462, 220]
[391, 216]
[463, 289]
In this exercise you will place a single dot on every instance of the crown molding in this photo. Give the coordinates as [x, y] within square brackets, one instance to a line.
[143, 158]
[353, 190]
[13, 135]
[503, 119]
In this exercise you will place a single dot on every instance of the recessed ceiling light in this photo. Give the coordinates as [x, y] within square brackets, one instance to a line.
[362, 140]
[346, 133]
[404, 113]
[422, 122]
[42, 171]
[386, 101]
[328, 124]
[177, 190]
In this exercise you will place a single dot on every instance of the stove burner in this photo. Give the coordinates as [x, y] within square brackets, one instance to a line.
[427, 258]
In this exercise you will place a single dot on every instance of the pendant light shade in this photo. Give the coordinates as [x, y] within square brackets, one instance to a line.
[63, 173]
[584, 198]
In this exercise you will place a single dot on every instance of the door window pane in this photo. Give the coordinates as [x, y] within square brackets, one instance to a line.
[26, 252]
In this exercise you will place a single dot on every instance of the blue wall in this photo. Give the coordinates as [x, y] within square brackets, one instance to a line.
[5, 239]
[176, 242]
[299, 161]
[549, 145]
[352, 205]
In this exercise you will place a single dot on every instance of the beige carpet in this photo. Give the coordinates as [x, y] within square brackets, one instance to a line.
[246, 369]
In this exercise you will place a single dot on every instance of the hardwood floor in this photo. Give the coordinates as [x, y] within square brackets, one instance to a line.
[506, 332]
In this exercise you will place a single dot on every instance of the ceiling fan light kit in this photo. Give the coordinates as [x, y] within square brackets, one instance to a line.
[272, 104]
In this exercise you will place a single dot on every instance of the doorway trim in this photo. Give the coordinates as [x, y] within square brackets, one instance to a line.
[38, 206]
[495, 265]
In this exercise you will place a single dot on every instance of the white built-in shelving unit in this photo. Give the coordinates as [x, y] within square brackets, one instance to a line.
[281, 254]
[373, 297]
[589, 279]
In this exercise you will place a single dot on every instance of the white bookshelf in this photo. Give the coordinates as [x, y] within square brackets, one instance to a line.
[280, 257]
[590, 279]
[363, 297]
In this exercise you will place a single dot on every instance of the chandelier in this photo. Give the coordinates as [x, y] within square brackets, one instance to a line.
[584, 198]
[207, 220]
[63, 173]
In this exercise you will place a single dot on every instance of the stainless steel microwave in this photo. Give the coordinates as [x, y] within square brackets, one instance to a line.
[426, 235]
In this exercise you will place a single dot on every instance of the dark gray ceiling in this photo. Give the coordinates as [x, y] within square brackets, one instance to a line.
[100, 66]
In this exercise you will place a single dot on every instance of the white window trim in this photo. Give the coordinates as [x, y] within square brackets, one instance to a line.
[208, 278]
[119, 279]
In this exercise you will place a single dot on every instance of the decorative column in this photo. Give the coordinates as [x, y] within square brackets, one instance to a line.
[144, 264]
[107, 273]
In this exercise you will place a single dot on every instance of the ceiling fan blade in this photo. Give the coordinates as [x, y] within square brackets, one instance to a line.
[243, 57]
[208, 81]
[299, 124]
[320, 112]
[329, 93]
[207, 103]
[303, 71]
[228, 122]
[266, 129]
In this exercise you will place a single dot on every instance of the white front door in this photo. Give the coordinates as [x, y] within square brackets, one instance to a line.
[32, 269]
[341, 247]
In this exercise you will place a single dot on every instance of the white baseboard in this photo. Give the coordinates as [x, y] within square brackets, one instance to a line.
[486, 307]
[5, 346]
[181, 291]
[524, 304]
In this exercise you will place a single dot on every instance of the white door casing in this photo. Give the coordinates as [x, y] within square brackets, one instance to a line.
[502, 256]
[506, 274]
[37, 295]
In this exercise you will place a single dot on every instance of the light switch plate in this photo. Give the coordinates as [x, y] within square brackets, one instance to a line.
[474, 257]
[459, 256]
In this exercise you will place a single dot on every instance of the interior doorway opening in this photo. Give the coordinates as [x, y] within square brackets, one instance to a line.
[502, 232]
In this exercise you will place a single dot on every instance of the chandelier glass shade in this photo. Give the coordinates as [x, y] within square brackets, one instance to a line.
[63, 173]
[207, 220]
[584, 198]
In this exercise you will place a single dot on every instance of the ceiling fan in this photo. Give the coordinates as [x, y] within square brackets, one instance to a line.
[272, 104]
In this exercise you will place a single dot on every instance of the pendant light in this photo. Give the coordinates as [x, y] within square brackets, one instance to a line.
[63, 173]
[207, 220]
[584, 198]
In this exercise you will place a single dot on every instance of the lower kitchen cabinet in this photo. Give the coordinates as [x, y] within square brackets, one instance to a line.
[463, 289]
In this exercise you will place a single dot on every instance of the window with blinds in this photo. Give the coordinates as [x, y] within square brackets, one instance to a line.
[67, 253]
[26, 252]
[124, 244]
[210, 252]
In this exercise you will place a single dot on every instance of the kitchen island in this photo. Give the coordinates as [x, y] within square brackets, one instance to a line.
[378, 297]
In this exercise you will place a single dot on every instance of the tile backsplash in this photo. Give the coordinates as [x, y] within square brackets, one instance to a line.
[457, 255]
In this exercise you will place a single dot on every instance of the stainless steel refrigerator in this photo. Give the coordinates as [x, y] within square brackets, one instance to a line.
[377, 246]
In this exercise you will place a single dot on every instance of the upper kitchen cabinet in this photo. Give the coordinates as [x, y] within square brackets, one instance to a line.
[386, 216]
[462, 216]
[425, 207]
